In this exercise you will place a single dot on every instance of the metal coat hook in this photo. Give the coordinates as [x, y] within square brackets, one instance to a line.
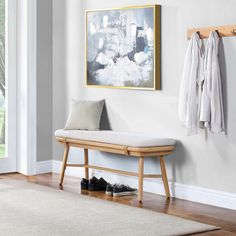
[234, 31]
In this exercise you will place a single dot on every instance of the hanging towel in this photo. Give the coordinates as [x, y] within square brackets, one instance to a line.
[211, 113]
[190, 86]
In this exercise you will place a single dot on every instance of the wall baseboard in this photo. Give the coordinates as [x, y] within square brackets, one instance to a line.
[44, 167]
[181, 191]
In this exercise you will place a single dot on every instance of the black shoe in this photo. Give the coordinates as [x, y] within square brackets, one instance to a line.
[84, 184]
[109, 189]
[123, 190]
[97, 184]
[93, 180]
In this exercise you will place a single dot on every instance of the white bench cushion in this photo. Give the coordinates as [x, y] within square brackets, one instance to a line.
[129, 139]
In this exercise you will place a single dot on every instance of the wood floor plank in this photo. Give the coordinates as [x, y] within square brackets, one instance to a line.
[224, 218]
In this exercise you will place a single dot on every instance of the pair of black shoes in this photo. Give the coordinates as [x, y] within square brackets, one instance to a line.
[116, 190]
[94, 184]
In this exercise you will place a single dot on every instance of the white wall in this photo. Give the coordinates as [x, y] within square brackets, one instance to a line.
[44, 80]
[197, 161]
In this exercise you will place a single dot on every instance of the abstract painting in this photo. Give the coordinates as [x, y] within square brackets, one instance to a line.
[123, 47]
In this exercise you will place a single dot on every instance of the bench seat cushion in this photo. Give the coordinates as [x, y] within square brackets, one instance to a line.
[129, 139]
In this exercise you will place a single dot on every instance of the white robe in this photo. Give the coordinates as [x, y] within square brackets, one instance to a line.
[192, 74]
[211, 112]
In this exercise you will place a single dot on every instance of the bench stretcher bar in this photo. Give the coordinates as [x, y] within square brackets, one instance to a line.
[113, 170]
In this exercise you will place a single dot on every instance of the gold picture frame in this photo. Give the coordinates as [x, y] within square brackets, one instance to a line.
[107, 29]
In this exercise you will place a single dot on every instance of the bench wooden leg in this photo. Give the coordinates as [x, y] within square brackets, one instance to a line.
[164, 176]
[63, 168]
[86, 169]
[140, 179]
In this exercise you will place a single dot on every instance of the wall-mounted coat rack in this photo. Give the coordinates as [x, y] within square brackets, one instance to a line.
[223, 31]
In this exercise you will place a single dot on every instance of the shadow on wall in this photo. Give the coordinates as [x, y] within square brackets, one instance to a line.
[221, 141]
[117, 119]
[176, 161]
[105, 123]
[223, 68]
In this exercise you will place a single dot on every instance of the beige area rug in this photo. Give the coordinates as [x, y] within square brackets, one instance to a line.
[31, 209]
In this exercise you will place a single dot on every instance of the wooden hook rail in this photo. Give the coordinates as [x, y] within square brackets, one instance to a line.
[223, 31]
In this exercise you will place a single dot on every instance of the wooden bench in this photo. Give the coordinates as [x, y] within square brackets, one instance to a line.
[137, 146]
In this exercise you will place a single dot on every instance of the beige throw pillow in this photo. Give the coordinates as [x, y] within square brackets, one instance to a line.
[85, 115]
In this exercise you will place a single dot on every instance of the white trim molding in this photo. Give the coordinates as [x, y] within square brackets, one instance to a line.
[44, 167]
[32, 86]
[181, 191]
[27, 90]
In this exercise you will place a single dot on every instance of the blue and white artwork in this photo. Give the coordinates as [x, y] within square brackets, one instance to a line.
[120, 47]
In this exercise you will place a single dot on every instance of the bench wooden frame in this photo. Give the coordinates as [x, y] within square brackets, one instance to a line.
[141, 153]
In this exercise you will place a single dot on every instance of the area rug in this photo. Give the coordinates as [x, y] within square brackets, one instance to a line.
[31, 209]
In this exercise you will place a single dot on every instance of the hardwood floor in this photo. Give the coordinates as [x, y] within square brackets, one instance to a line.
[224, 218]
